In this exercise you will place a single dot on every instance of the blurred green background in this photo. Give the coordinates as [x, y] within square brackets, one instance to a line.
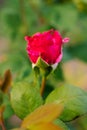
[19, 18]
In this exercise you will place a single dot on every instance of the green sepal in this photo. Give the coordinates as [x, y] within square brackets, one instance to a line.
[41, 67]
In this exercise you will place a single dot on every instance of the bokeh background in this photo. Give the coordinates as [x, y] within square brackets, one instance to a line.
[26, 17]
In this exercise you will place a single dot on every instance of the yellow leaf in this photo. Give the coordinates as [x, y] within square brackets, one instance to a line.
[45, 126]
[45, 113]
[18, 129]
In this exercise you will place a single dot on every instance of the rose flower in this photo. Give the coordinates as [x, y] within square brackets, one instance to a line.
[46, 45]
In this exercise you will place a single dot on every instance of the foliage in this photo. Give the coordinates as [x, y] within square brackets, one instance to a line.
[74, 103]
[19, 18]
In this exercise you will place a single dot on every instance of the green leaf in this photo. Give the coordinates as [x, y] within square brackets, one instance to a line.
[61, 124]
[73, 98]
[25, 98]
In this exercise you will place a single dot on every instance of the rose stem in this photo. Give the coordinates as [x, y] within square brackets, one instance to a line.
[43, 85]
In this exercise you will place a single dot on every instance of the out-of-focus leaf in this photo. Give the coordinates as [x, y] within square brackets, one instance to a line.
[45, 126]
[44, 113]
[58, 73]
[6, 82]
[81, 4]
[75, 73]
[1, 115]
[73, 98]
[1, 97]
[59, 19]
[17, 63]
[19, 129]
[79, 51]
[8, 111]
[13, 20]
[82, 121]
[1, 110]
[61, 124]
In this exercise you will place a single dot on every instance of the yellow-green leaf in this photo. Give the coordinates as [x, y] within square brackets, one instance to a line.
[73, 98]
[45, 113]
[18, 129]
[45, 126]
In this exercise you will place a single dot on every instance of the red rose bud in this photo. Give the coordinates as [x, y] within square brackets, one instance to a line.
[47, 46]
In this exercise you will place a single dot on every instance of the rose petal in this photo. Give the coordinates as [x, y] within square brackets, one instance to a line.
[59, 57]
[65, 40]
[27, 38]
[47, 44]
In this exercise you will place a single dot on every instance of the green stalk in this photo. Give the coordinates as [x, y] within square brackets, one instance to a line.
[43, 85]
